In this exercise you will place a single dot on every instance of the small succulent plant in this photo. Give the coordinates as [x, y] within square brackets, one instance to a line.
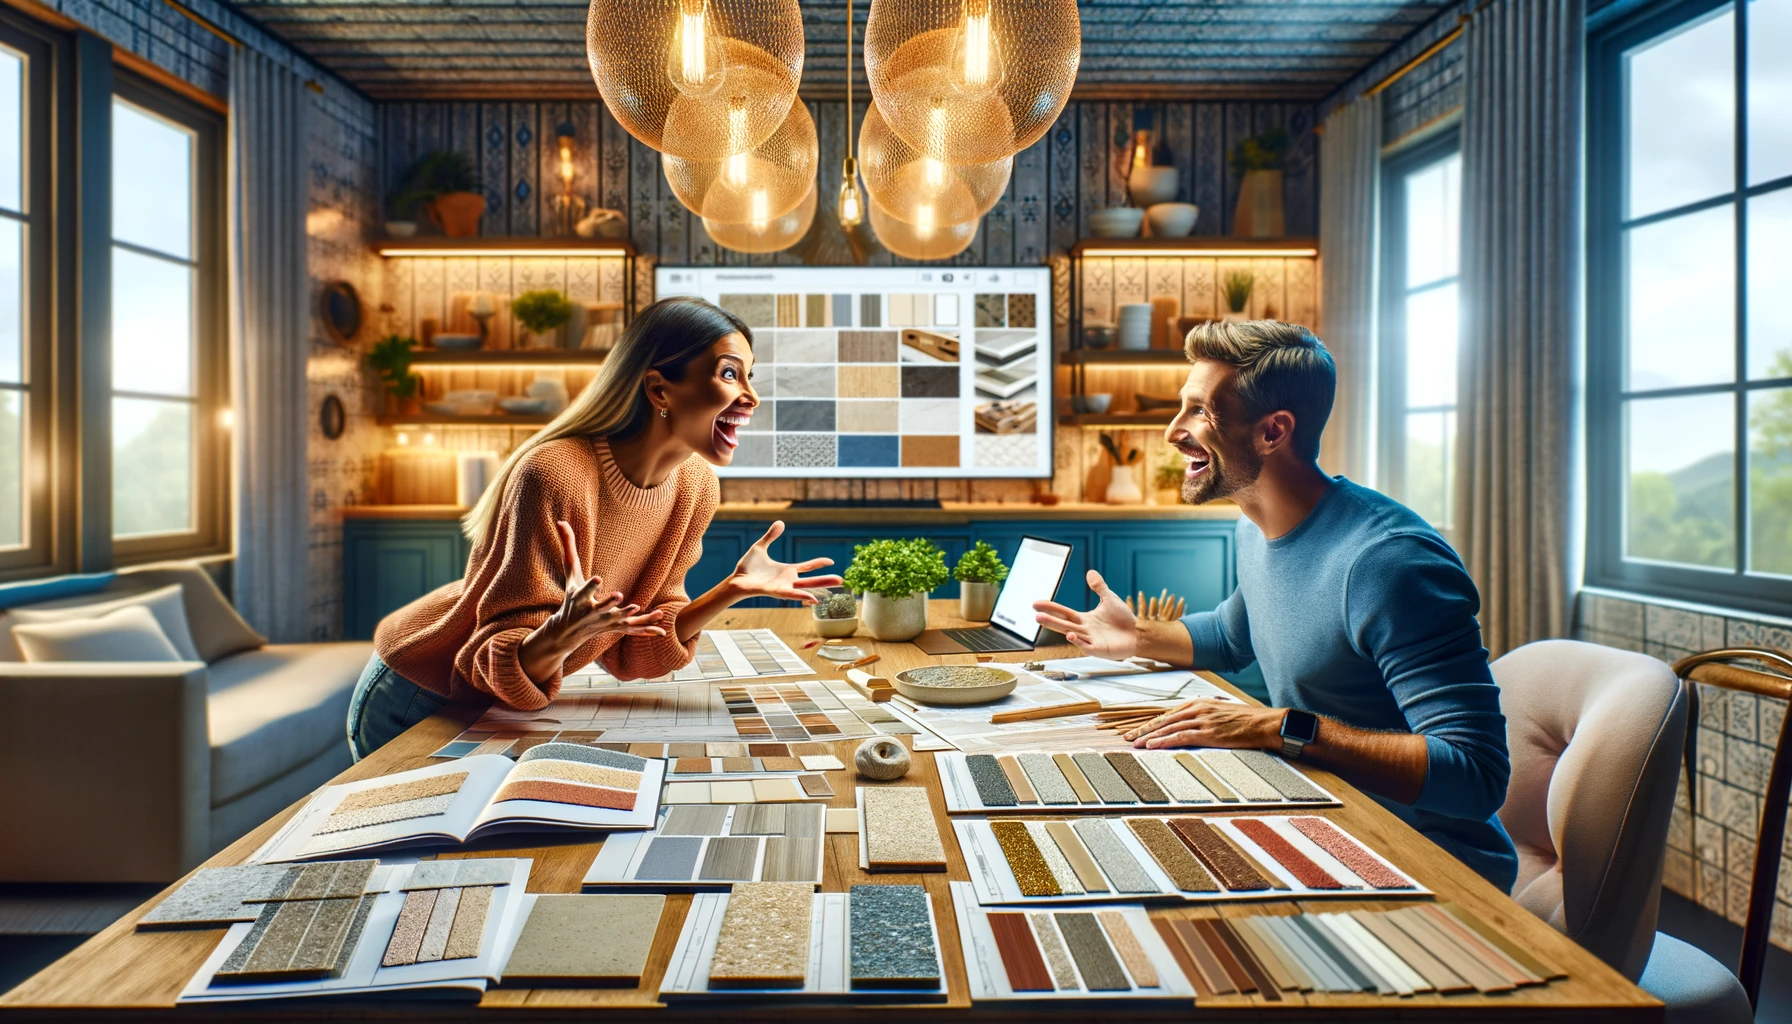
[837, 606]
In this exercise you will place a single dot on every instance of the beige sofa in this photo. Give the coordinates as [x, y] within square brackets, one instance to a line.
[137, 771]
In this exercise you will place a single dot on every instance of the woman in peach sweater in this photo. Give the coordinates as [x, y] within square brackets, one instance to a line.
[618, 486]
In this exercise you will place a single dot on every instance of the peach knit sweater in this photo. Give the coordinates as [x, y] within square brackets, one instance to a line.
[461, 640]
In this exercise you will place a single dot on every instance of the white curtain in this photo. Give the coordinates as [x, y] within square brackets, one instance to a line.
[269, 323]
[1521, 255]
[1349, 176]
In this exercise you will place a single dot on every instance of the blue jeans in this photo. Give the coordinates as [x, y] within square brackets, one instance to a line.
[384, 705]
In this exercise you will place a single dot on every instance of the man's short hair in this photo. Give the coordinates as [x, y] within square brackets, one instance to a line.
[1280, 366]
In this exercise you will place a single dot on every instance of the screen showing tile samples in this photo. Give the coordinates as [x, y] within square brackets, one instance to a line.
[890, 371]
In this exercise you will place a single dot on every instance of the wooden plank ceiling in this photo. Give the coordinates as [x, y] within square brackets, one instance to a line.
[1193, 49]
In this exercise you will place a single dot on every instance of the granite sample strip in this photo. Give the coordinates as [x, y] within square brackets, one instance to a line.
[240, 955]
[1024, 859]
[1065, 838]
[892, 938]
[1073, 776]
[1057, 955]
[789, 859]
[815, 785]
[274, 945]
[764, 937]
[341, 821]
[587, 940]
[320, 952]
[1055, 861]
[669, 859]
[992, 783]
[1182, 787]
[313, 882]
[445, 874]
[407, 935]
[1233, 871]
[1275, 771]
[572, 771]
[1020, 953]
[441, 922]
[692, 766]
[1117, 862]
[1017, 780]
[219, 896]
[1132, 954]
[1247, 960]
[1172, 855]
[568, 793]
[586, 755]
[1185, 960]
[1137, 778]
[758, 820]
[1350, 853]
[1208, 965]
[695, 820]
[1260, 866]
[900, 831]
[1042, 771]
[468, 931]
[1221, 792]
[1298, 864]
[1107, 782]
[416, 789]
[730, 859]
[1095, 960]
[1246, 783]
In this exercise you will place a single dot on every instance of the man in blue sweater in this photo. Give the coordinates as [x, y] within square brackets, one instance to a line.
[1360, 614]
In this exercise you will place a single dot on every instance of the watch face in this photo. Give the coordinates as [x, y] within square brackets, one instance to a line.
[1300, 725]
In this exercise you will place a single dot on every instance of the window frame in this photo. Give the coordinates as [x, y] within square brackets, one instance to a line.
[211, 533]
[1391, 408]
[1607, 222]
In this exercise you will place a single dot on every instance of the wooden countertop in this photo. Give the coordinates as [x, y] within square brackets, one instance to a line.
[125, 975]
[948, 512]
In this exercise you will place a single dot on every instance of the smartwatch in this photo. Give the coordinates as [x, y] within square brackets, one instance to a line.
[1299, 728]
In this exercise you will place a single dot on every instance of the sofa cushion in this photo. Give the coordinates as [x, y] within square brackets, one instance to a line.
[276, 708]
[164, 603]
[130, 633]
[216, 628]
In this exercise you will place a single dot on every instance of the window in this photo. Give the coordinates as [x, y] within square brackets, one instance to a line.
[1690, 303]
[1421, 221]
[168, 445]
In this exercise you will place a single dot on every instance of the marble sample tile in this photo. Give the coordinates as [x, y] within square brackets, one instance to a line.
[1073, 775]
[1042, 771]
[404, 810]
[892, 938]
[416, 789]
[1349, 853]
[790, 859]
[1221, 792]
[1020, 953]
[1298, 864]
[1132, 954]
[586, 755]
[594, 940]
[991, 782]
[1136, 777]
[1174, 778]
[1116, 861]
[1073, 850]
[441, 922]
[1095, 960]
[468, 930]
[1108, 784]
[1031, 873]
[1057, 955]
[695, 820]
[446, 874]
[218, 896]
[1055, 861]
[729, 859]
[900, 832]
[1172, 855]
[413, 920]
[1017, 780]
[1245, 782]
[670, 859]
[1233, 871]
[820, 762]
[763, 941]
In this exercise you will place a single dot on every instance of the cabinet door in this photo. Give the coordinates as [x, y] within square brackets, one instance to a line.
[387, 565]
[1192, 560]
[827, 540]
[723, 545]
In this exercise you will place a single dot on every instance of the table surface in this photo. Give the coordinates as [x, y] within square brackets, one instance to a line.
[123, 974]
[949, 512]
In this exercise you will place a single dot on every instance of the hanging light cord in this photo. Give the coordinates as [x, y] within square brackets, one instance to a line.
[851, 203]
[849, 79]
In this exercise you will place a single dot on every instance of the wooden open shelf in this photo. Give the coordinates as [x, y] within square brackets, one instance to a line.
[1124, 357]
[506, 357]
[434, 245]
[1118, 419]
[428, 419]
[1209, 245]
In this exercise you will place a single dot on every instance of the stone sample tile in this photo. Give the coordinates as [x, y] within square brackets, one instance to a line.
[1031, 873]
[1298, 864]
[1132, 954]
[407, 935]
[468, 930]
[1108, 784]
[1137, 778]
[416, 789]
[900, 831]
[1055, 861]
[1275, 771]
[992, 783]
[1117, 862]
[1047, 780]
[593, 940]
[1244, 782]
[586, 755]
[1233, 871]
[1172, 855]
[764, 937]
[1349, 853]
[1095, 959]
[892, 938]
[670, 859]
[216, 896]
[441, 922]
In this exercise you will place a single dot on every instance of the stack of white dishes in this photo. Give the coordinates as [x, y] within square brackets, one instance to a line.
[1134, 329]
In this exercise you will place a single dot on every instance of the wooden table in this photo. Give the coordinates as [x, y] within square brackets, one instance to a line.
[122, 974]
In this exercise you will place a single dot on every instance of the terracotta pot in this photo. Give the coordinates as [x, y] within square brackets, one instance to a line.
[976, 601]
[1259, 210]
[410, 406]
[456, 214]
[894, 619]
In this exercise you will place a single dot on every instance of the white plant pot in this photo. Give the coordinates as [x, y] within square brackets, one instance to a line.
[976, 601]
[1239, 316]
[894, 619]
[1123, 487]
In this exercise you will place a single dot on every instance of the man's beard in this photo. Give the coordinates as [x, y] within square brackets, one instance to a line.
[1222, 479]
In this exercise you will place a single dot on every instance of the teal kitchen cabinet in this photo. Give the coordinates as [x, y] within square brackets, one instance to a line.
[388, 563]
[1192, 559]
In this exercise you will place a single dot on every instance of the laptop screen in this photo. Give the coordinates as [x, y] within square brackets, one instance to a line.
[1034, 576]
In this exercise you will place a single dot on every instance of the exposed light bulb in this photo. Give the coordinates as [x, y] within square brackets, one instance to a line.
[933, 173]
[735, 169]
[403, 438]
[566, 168]
[924, 221]
[977, 46]
[761, 210]
[693, 38]
[852, 207]
[936, 134]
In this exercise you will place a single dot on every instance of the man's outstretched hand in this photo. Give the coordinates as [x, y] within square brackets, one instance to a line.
[1109, 630]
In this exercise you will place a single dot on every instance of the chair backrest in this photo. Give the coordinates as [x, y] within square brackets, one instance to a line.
[1595, 736]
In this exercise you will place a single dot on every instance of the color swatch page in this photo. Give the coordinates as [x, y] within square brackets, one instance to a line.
[721, 654]
[1123, 780]
[778, 941]
[716, 845]
[1182, 857]
[1110, 952]
[432, 925]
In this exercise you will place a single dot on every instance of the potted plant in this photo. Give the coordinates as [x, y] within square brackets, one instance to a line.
[446, 187]
[1168, 481]
[1123, 486]
[895, 577]
[836, 614]
[391, 357]
[1258, 162]
[541, 313]
[1238, 295]
[979, 573]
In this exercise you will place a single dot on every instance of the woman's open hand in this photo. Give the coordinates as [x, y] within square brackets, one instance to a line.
[586, 611]
[758, 574]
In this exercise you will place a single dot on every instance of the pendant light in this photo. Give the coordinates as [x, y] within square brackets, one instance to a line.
[851, 206]
[761, 184]
[765, 235]
[926, 239]
[971, 81]
[696, 79]
[902, 180]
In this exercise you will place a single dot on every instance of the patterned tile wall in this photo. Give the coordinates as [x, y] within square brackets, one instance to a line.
[1711, 856]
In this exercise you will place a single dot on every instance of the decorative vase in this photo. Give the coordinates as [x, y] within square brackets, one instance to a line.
[1123, 488]
[554, 338]
[976, 600]
[1259, 210]
[1149, 186]
[894, 618]
[456, 214]
[1233, 316]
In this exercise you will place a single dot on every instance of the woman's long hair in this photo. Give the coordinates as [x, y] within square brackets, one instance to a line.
[665, 336]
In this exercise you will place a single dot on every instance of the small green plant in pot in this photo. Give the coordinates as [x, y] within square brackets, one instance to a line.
[1238, 294]
[895, 577]
[444, 185]
[391, 358]
[541, 313]
[979, 572]
[836, 614]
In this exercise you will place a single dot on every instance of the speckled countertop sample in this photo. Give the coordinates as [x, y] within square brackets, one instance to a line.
[892, 938]
[764, 938]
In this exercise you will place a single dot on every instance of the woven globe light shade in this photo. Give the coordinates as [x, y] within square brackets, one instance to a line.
[971, 81]
[926, 240]
[769, 235]
[903, 180]
[761, 184]
[696, 79]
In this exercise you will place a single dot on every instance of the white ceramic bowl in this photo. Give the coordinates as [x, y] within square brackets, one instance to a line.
[1149, 186]
[955, 684]
[1172, 220]
[1116, 222]
[523, 406]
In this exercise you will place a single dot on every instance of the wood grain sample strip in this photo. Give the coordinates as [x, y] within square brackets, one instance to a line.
[1025, 861]
[1469, 967]
[1531, 962]
[1219, 856]
[1269, 953]
[1166, 931]
[815, 785]
[1241, 951]
[1299, 864]
[1349, 853]
[1420, 959]
[1471, 940]
[763, 941]
[1017, 780]
[730, 859]
[1173, 855]
[1073, 776]
[1241, 979]
[695, 820]
[1211, 970]
[1065, 838]
[789, 859]
[1020, 955]
[1137, 778]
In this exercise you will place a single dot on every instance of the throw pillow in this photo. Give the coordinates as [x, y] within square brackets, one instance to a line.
[128, 634]
[218, 631]
[165, 603]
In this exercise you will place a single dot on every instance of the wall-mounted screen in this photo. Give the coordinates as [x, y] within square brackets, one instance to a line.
[890, 371]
